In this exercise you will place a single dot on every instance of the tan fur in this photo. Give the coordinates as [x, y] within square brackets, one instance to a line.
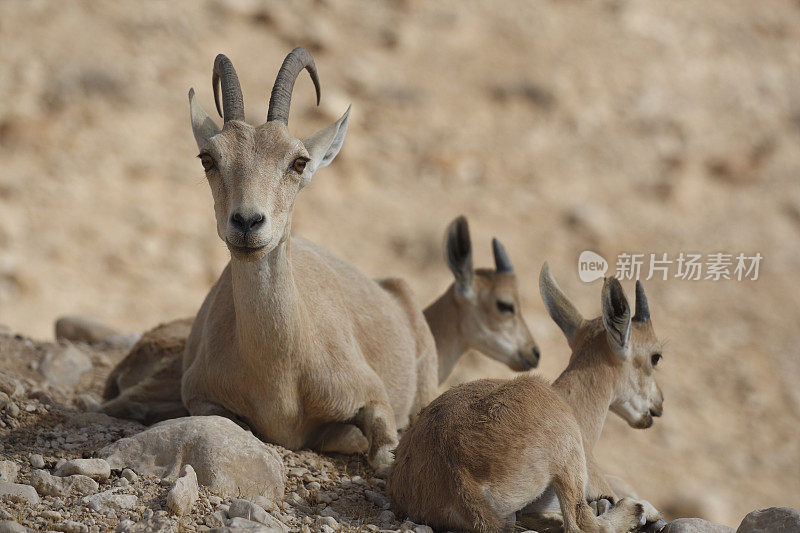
[459, 324]
[481, 308]
[145, 385]
[485, 450]
[291, 340]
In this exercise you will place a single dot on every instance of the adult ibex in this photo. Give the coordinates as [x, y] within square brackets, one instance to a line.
[295, 342]
[484, 450]
[480, 310]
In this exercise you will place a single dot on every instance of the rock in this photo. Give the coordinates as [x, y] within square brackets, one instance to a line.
[772, 520]
[325, 497]
[423, 529]
[97, 469]
[51, 515]
[238, 524]
[46, 484]
[72, 527]
[151, 524]
[109, 501]
[377, 499]
[64, 365]
[49, 485]
[183, 494]
[12, 409]
[36, 460]
[19, 493]
[216, 519]
[83, 329]
[130, 475]
[81, 484]
[10, 386]
[254, 512]
[326, 521]
[8, 471]
[226, 458]
[245, 509]
[695, 525]
[386, 517]
[328, 511]
[9, 526]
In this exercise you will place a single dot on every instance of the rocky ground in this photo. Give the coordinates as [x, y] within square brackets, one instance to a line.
[658, 126]
[47, 484]
[65, 467]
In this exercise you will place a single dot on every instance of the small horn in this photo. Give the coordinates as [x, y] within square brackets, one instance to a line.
[501, 261]
[642, 309]
[232, 101]
[281, 97]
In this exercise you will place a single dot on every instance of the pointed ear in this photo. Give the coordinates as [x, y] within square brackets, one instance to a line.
[561, 310]
[458, 252]
[325, 144]
[616, 317]
[202, 125]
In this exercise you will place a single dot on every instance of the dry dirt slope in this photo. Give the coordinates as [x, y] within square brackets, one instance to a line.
[559, 126]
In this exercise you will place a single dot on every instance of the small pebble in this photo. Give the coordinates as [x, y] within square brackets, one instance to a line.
[37, 461]
[51, 515]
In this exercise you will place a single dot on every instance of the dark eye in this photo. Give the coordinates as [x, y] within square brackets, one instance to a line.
[207, 161]
[655, 358]
[299, 165]
[505, 307]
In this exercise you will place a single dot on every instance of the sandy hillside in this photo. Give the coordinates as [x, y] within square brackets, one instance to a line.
[616, 126]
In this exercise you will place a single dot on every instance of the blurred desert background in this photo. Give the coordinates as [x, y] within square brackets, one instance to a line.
[558, 126]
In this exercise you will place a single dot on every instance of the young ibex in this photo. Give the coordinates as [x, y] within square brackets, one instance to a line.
[484, 450]
[480, 310]
[293, 341]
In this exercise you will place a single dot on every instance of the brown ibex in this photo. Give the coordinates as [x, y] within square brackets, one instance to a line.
[485, 450]
[292, 340]
[480, 310]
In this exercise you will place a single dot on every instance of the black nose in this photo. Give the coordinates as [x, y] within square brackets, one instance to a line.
[536, 352]
[656, 411]
[245, 224]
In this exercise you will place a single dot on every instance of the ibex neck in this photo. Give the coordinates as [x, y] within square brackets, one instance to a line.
[266, 303]
[587, 385]
[442, 317]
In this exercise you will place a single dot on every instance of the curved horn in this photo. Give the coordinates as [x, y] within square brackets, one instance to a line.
[501, 261]
[232, 101]
[281, 97]
[642, 309]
